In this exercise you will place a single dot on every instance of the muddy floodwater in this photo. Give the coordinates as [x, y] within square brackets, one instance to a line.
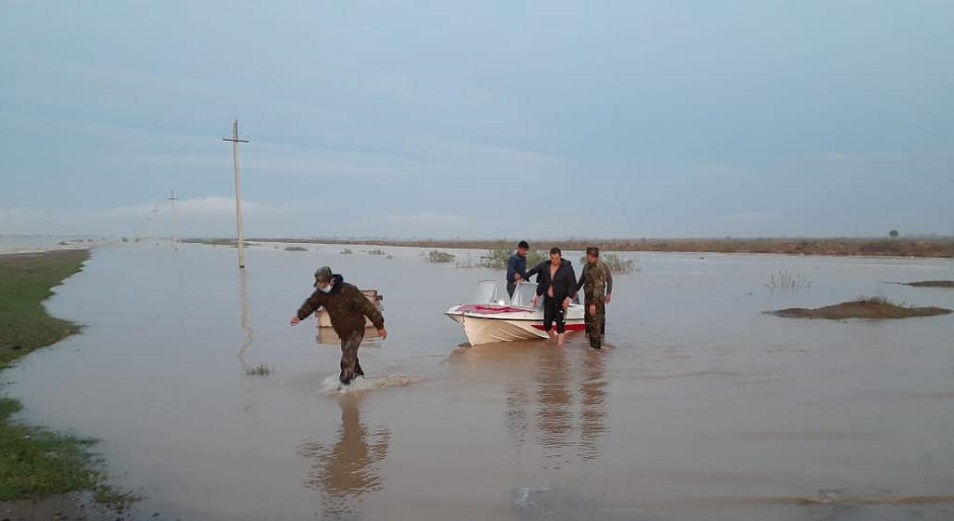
[701, 408]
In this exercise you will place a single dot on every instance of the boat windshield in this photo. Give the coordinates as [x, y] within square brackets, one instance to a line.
[486, 292]
[523, 295]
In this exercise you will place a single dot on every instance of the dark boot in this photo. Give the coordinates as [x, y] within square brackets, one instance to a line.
[596, 343]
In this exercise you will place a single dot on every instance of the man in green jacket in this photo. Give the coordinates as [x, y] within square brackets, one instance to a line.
[347, 308]
[597, 284]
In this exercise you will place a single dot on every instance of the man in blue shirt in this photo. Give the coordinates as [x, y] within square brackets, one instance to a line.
[517, 267]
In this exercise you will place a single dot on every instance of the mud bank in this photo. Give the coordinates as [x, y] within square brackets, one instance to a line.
[867, 308]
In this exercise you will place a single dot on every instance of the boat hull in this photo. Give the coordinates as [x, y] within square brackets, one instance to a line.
[489, 323]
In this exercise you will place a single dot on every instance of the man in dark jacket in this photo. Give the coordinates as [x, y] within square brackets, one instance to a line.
[517, 267]
[557, 286]
[347, 308]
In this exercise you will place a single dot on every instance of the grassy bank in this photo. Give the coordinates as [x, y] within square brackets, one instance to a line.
[888, 247]
[26, 281]
[34, 462]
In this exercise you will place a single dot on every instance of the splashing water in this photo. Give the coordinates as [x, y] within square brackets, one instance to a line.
[331, 384]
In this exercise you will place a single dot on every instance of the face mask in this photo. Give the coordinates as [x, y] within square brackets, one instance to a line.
[325, 289]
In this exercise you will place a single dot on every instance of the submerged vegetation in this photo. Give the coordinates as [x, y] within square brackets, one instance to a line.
[874, 308]
[295, 248]
[35, 462]
[788, 280]
[377, 251]
[258, 370]
[617, 264]
[440, 257]
[496, 258]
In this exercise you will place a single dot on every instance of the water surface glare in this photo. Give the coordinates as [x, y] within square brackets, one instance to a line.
[701, 408]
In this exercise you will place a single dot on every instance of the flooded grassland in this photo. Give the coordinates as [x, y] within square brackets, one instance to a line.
[210, 406]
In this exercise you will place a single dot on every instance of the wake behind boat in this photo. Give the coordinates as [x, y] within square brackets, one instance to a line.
[487, 319]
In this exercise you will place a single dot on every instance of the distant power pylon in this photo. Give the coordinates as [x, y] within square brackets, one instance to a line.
[238, 191]
[175, 239]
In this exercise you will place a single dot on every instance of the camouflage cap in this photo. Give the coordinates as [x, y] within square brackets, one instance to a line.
[593, 250]
[322, 275]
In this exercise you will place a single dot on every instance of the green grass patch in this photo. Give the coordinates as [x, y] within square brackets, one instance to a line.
[35, 462]
[25, 282]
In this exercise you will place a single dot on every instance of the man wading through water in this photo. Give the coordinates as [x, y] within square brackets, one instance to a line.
[597, 284]
[346, 307]
[557, 285]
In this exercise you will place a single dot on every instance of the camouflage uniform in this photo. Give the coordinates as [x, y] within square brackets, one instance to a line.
[350, 365]
[347, 308]
[597, 283]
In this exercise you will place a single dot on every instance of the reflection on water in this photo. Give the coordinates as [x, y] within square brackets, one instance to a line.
[348, 470]
[563, 406]
[554, 418]
[243, 318]
[593, 410]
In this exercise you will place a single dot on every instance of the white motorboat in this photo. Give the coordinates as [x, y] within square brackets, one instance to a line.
[488, 319]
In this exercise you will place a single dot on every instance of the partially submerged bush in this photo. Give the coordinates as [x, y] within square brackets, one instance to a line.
[616, 264]
[496, 259]
[376, 252]
[440, 257]
[295, 248]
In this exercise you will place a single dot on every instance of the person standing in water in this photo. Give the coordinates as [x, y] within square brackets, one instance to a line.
[347, 308]
[597, 284]
[557, 286]
[517, 267]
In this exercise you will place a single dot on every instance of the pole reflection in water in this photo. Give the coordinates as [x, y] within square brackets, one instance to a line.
[348, 470]
[243, 318]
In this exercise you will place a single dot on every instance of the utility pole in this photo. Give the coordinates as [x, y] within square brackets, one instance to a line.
[172, 200]
[238, 190]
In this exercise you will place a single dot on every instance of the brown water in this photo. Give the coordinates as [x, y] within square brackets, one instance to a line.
[703, 408]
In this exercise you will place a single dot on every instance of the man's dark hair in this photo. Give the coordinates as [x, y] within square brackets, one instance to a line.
[523, 245]
[555, 250]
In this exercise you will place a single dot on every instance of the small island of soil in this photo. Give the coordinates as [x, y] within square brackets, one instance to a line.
[874, 308]
[932, 284]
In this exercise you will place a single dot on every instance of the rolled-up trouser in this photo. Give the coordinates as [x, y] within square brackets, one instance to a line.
[553, 312]
[350, 366]
[595, 323]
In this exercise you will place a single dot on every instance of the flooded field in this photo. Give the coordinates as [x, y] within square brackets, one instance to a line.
[702, 408]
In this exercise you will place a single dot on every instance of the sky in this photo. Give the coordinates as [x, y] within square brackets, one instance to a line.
[479, 119]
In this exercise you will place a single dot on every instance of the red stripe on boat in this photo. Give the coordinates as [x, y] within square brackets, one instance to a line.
[569, 327]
